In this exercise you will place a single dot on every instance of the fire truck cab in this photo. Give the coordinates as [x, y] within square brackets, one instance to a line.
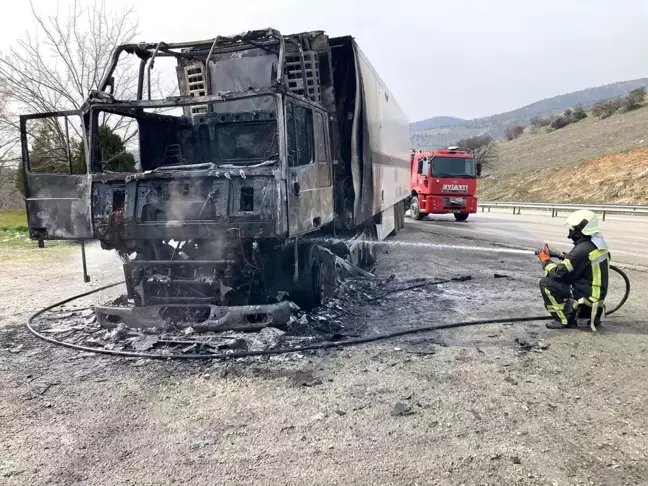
[443, 181]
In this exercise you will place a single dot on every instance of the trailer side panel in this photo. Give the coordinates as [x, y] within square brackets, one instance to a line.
[385, 141]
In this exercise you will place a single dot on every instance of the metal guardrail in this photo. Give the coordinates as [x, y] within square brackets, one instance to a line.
[555, 207]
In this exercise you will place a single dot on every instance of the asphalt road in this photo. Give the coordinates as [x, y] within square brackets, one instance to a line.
[627, 236]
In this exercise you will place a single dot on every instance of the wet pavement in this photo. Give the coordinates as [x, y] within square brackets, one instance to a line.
[627, 236]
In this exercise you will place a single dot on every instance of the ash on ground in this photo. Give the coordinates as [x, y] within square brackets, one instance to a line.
[357, 303]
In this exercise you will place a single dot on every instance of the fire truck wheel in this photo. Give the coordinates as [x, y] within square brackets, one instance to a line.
[461, 216]
[415, 211]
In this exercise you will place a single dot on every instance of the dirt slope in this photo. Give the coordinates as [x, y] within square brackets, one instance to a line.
[620, 178]
[575, 143]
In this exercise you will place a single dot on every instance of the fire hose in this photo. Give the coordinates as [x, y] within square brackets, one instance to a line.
[296, 349]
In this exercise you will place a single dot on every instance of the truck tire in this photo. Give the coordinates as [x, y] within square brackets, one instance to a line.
[396, 218]
[399, 217]
[304, 293]
[415, 210]
[370, 250]
[316, 278]
[461, 216]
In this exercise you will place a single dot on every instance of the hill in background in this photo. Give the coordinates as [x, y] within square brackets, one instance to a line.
[436, 122]
[591, 161]
[444, 131]
[574, 143]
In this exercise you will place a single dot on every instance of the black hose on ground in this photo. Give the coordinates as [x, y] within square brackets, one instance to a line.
[627, 291]
[297, 349]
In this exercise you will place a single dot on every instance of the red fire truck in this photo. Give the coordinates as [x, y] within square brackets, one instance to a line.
[443, 181]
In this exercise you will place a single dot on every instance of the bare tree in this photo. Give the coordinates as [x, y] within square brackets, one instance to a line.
[514, 132]
[606, 108]
[634, 99]
[579, 113]
[560, 122]
[539, 122]
[55, 67]
[481, 147]
[8, 154]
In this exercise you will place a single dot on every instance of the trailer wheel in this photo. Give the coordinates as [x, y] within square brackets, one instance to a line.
[396, 218]
[415, 210]
[370, 249]
[461, 216]
[401, 215]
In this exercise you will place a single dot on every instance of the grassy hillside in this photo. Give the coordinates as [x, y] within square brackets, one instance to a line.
[620, 178]
[430, 135]
[575, 143]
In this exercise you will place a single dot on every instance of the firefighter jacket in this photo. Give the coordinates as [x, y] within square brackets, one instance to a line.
[586, 268]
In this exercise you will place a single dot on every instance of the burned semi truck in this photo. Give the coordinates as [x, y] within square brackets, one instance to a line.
[226, 199]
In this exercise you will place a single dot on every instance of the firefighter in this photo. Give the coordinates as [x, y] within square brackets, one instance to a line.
[577, 286]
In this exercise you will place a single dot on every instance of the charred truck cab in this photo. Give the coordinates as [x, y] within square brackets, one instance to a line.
[443, 181]
[220, 200]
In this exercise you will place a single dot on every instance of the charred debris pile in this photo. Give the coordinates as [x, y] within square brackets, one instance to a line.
[341, 317]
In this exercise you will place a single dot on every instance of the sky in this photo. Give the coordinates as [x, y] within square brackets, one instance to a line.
[464, 58]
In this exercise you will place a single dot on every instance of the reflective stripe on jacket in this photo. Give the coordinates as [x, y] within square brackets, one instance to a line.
[586, 268]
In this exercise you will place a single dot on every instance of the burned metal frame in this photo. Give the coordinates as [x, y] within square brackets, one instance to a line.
[58, 204]
[147, 52]
[179, 256]
[250, 226]
[97, 101]
[24, 119]
[135, 109]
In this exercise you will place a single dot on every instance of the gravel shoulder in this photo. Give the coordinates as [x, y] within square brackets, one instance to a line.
[468, 406]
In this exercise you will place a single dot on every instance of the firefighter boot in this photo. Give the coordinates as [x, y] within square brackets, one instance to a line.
[570, 314]
[571, 324]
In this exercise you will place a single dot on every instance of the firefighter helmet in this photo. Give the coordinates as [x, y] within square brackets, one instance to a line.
[585, 220]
